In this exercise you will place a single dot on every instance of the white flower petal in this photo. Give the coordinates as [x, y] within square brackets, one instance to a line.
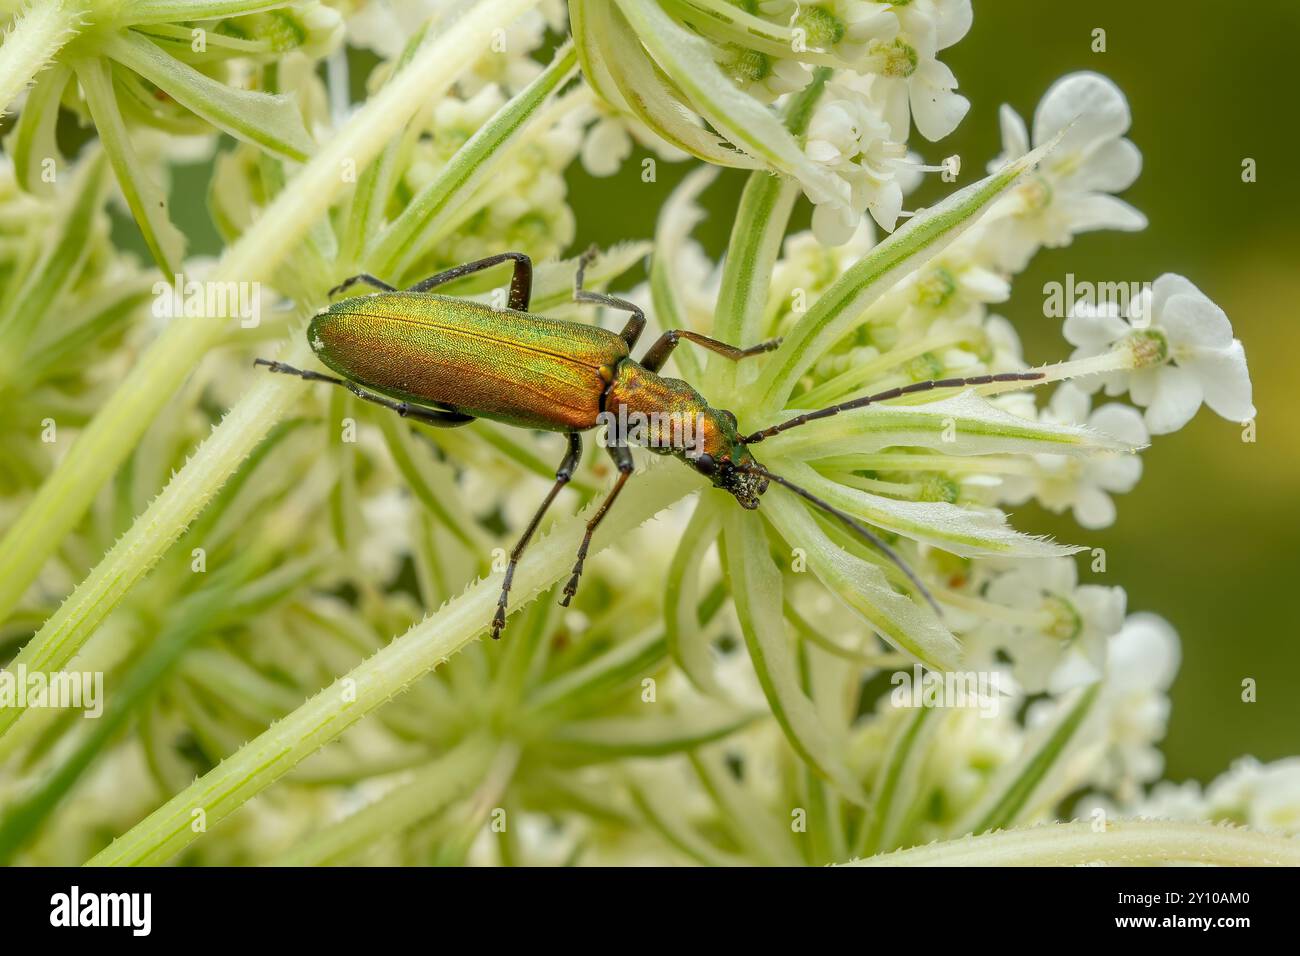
[892, 98]
[1069, 405]
[1111, 168]
[935, 110]
[1015, 137]
[834, 224]
[1177, 397]
[985, 285]
[1225, 380]
[1119, 474]
[886, 206]
[1142, 385]
[605, 148]
[955, 18]
[1093, 329]
[1120, 421]
[1086, 212]
[1193, 321]
[1091, 102]
[1093, 508]
[1102, 608]
[821, 151]
[1167, 286]
[1144, 654]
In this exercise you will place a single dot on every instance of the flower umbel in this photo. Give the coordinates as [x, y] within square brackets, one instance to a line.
[829, 642]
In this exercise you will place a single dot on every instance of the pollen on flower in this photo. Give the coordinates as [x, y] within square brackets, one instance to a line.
[1035, 193]
[936, 287]
[940, 488]
[1149, 347]
[1067, 622]
[899, 58]
[750, 65]
[823, 28]
[925, 367]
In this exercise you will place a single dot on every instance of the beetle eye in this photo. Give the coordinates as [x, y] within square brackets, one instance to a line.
[705, 464]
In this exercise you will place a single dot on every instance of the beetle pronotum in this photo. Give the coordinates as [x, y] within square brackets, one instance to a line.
[446, 361]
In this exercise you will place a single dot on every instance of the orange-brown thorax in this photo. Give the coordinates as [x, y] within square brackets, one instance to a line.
[678, 421]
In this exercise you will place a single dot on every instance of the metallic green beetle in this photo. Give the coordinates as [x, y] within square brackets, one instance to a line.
[446, 361]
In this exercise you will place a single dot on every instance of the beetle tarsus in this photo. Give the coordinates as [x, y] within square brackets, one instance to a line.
[302, 373]
[571, 588]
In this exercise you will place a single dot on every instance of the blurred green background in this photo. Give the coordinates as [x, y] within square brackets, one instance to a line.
[1210, 539]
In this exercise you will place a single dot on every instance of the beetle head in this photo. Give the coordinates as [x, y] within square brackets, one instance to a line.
[723, 458]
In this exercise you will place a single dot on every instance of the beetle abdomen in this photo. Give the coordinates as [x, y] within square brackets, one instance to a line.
[509, 366]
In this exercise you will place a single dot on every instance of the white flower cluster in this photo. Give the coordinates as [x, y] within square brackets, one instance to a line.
[855, 160]
[1026, 606]
[860, 128]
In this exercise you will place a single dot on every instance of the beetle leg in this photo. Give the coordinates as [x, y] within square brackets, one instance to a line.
[635, 325]
[365, 277]
[437, 417]
[521, 283]
[657, 354]
[562, 476]
[622, 456]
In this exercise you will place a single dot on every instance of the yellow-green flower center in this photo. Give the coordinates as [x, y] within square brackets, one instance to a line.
[823, 28]
[898, 58]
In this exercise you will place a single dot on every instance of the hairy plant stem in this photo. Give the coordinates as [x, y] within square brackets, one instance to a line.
[66, 494]
[35, 36]
[1125, 842]
[374, 682]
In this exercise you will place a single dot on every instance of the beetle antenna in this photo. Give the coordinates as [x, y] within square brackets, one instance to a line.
[827, 412]
[852, 523]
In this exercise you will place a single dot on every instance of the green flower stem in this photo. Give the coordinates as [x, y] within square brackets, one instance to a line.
[468, 169]
[155, 530]
[91, 461]
[428, 791]
[1125, 842]
[166, 11]
[1032, 781]
[755, 245]
[36, 35]
[378, 679]
[24, 817]
[465, 821]
[761, 220]
[899, 774]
